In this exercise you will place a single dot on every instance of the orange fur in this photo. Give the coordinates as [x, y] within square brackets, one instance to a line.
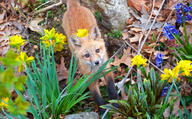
[78, 17]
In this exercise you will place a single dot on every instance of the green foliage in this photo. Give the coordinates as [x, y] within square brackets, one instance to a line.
[135, 104]
[185, 50]
[161, 46]
[9, 81]
[115, 33]
[11, 59]
[98, 15]
[19, 106]
[188, 100]
[50, 14]
[43, 88]
[43, 1]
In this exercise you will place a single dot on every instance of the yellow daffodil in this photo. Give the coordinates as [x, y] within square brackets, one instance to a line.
[170, 74]
[185, 67]
[47, 43]
[3, 104]
[60, 41]
[57, 40]
[167, 75]
[49, 35]
[60, 38]
[138, 60]
[16, 41]
[24, 58]
[82, 33]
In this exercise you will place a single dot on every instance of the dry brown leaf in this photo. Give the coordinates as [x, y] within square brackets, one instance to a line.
[34, 25]
[132, 36]
[136, 29]
[125, 35]
[62, 72]
[138, 5]
[2, 16]
[135, 38]
[125, 59]
[149, 50]
[143, 22]
[4, 45]
[189, 31]
[171, 3]
[186, 89]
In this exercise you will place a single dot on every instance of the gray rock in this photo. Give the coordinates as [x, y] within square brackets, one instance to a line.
[115, 12]
[83, 115]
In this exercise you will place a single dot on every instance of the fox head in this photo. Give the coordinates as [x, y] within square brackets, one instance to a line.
[90, 50]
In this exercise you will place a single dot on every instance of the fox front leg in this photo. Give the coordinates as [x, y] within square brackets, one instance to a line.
[96, 94]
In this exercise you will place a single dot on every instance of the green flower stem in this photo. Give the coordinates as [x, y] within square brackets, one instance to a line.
[166, 99]
[142, 89]
[187, 113]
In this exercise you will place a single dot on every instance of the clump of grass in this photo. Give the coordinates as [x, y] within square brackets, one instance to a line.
[115, 34]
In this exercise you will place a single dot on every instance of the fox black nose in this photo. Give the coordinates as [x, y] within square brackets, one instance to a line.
[97, 62]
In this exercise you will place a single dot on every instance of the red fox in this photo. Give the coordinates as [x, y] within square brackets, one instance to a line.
[90, 50]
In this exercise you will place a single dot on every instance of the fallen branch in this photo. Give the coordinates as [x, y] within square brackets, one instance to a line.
[50, 7]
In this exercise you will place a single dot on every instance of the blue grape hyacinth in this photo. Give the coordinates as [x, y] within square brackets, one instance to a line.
[169, 31]
[183, 10]
[165, 89]
[159, 59]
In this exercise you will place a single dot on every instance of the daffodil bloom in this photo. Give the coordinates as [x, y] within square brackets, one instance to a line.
[24, 58]
[185, 67]
[47, 43]
[57, 40]
[16, 41]
[170, 74]
[60, 38]
[3, 104]
[60, 41]
[49, 35]
[138, 60]
[176, 72]
[82, 33]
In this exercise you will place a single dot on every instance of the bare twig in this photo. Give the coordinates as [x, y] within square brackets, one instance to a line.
[118, 51]
[50, 7]
[42, 5]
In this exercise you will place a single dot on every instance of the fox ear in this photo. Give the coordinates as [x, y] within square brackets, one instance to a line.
[95, 32]
[75, 41]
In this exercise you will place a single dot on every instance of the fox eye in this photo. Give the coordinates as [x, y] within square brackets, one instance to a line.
[87, 55]
[97, 50]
